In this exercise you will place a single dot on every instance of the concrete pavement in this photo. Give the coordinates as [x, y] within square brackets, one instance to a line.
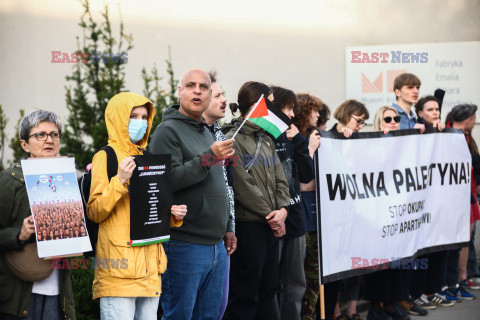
[465, 310]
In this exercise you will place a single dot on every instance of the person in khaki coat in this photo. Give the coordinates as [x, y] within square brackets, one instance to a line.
[261, 200]
[134, 288]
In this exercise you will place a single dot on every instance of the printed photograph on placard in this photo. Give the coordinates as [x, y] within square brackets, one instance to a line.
[56, 206]
[58, 211]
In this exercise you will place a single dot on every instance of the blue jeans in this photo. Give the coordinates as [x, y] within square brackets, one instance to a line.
[128, 308]
[223, 305]
[192, 285]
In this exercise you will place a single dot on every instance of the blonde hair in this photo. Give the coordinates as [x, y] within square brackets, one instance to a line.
[377, 122]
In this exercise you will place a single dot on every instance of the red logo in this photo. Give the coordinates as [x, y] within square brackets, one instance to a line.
[376, 86]
[369, 87]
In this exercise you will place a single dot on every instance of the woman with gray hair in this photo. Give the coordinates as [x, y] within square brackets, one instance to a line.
[30, 287]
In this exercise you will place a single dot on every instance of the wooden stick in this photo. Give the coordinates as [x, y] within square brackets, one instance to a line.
[322, 302]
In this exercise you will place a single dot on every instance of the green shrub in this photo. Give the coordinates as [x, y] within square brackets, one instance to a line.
[85, 308]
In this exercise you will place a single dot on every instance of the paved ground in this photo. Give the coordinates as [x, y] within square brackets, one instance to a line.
[465, 310]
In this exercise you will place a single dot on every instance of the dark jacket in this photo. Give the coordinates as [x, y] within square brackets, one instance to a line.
[14, 208]
[421, 121]
[298, 167]
[197, 181]
[264, 187]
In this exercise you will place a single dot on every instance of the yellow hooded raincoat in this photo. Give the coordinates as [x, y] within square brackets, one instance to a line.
[122, 270]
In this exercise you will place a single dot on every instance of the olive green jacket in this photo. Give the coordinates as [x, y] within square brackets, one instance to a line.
[14, 208]
[263, 188]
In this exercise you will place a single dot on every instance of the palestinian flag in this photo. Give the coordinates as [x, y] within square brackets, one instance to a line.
[269, 118]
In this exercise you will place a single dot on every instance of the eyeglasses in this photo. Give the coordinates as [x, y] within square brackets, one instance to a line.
[389, 119]
[43, 136]
[360, 121]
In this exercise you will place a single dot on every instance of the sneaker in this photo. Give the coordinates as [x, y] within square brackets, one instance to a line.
[469, 284]
[463, 293]
[398, 313]
[378, 314]
[412, 309]
[354, 316]
[423, 302]
[440, 300]
[450, 294]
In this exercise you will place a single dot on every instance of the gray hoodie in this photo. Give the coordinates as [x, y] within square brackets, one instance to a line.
[196, 182]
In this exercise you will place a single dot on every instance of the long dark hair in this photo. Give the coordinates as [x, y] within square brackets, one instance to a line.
[283, 97]
[248, 95]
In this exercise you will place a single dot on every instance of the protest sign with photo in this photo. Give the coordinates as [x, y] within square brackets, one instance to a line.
[151, 199]
[56, 206]
[382, 198]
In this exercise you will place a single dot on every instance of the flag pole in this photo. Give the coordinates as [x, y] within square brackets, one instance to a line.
[321, 287]
[322, 302]
[248, 116]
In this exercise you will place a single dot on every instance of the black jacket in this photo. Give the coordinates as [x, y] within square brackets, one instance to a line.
[298, 167]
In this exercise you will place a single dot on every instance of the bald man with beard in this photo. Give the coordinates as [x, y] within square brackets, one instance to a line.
[192, 284]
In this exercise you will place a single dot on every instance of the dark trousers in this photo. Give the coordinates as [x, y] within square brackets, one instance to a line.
[331, 291]
[428, 280]
[253, 273]
[311, 301]
[351, 288]
[41, 308]
[387, 286]
[472, 265]
[450, 271]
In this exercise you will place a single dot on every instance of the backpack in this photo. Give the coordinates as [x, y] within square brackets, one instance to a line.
[84, 183]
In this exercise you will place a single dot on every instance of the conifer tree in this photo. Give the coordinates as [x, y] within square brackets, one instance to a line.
[93, 83]
[161, 98]
[18, 152]
[3, 125]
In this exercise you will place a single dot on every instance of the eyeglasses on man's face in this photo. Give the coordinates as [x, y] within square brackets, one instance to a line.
[42, 136]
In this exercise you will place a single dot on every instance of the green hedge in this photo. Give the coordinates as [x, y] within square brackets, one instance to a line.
[85, 307]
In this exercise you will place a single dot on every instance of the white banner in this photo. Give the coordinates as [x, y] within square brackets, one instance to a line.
[453, 67]
[388, 197]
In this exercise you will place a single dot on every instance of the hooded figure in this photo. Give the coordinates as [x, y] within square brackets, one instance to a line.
[122, 270]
